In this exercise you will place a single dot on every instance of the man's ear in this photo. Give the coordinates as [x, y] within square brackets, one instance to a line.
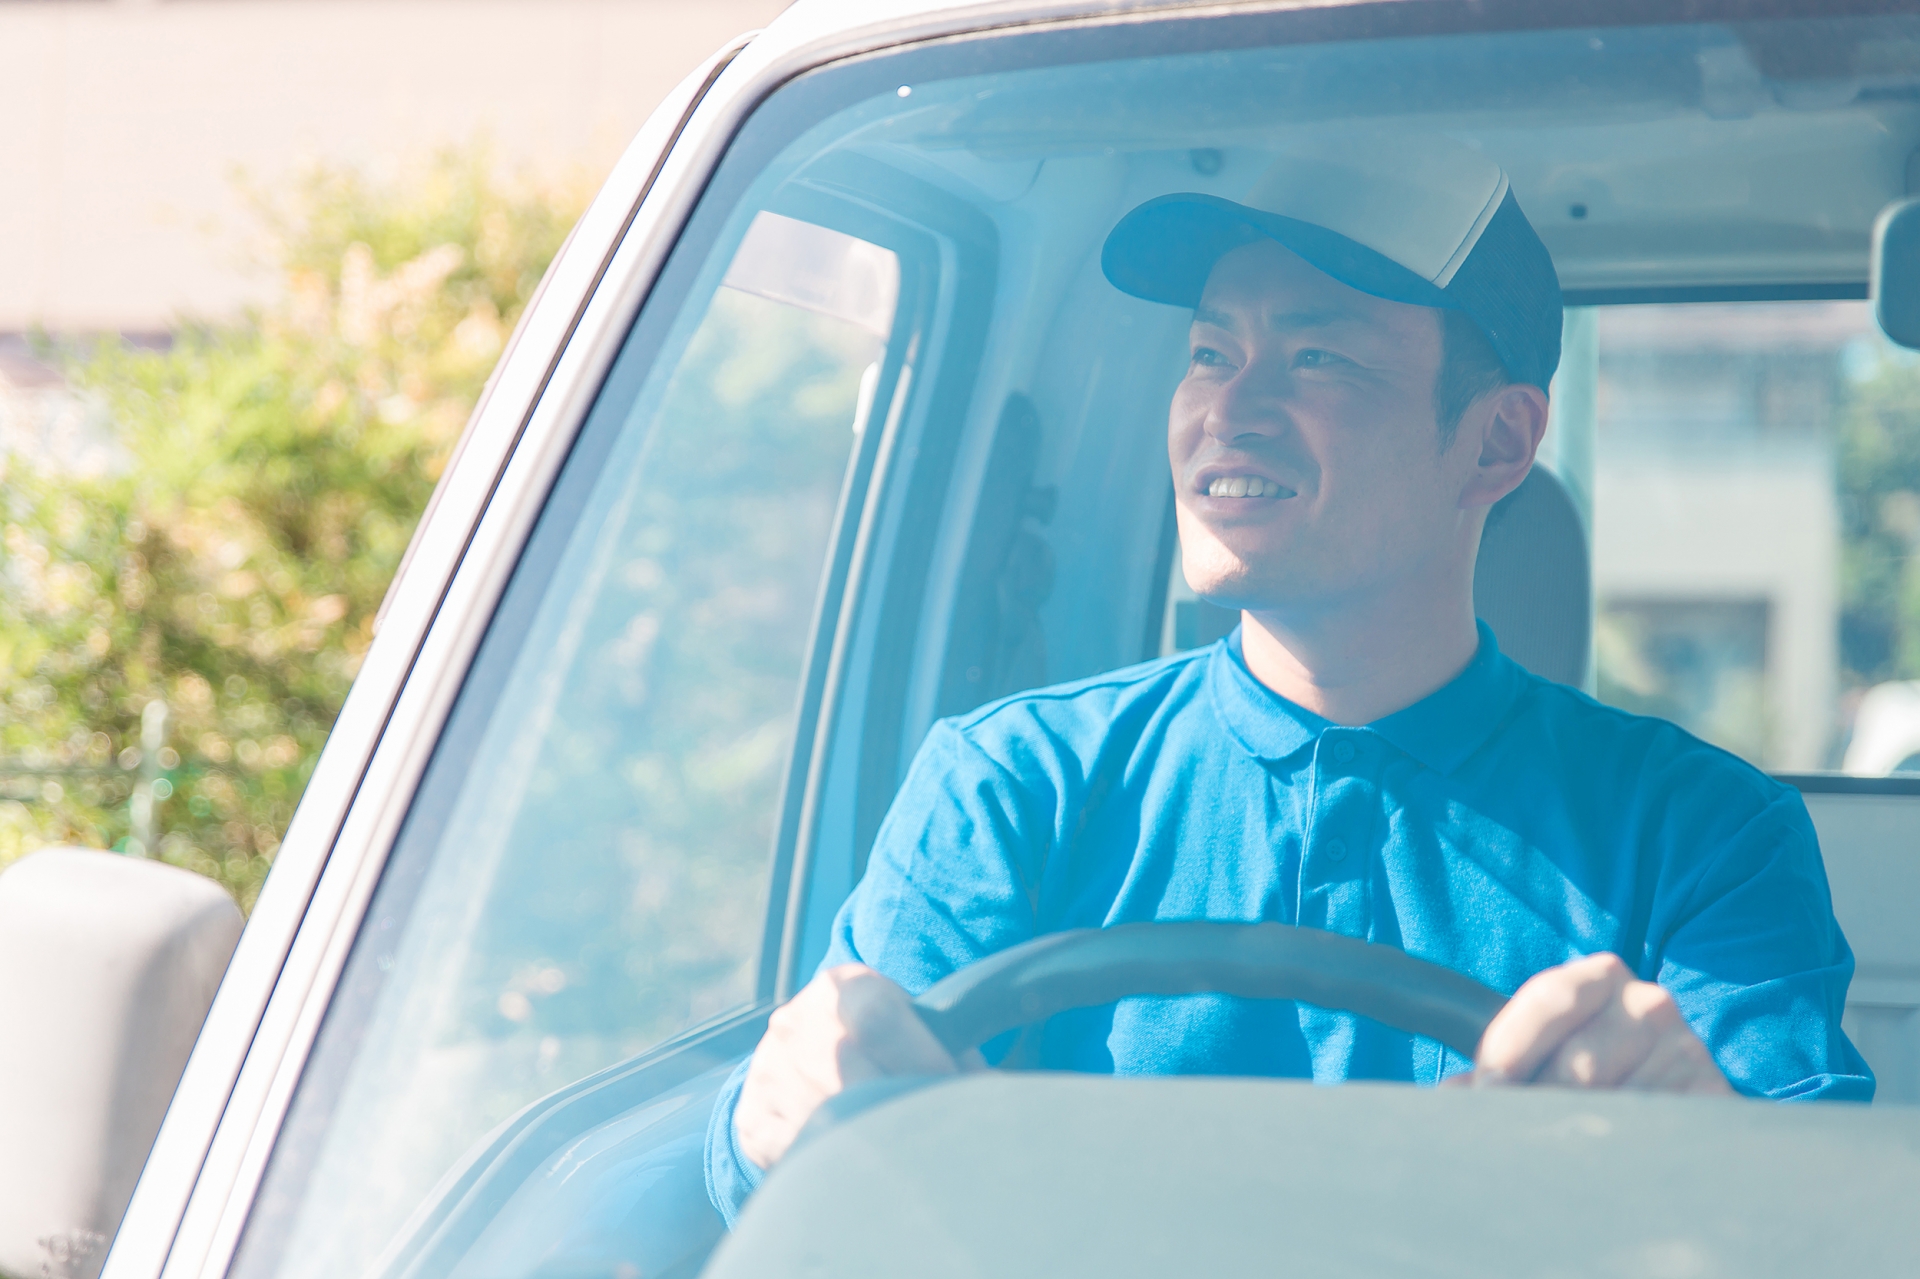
[1509, 424]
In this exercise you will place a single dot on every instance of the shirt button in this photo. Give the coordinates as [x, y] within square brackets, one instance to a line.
[1343, 751]
[1336, 850]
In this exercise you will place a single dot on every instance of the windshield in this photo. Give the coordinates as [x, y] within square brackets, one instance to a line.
[886, 443]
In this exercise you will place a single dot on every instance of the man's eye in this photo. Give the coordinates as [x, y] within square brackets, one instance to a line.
[1315, 358]
[1208, 356]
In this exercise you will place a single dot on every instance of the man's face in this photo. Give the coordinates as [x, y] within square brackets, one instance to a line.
[1320, 399]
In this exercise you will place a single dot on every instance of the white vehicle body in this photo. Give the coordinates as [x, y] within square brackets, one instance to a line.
[193, 1203]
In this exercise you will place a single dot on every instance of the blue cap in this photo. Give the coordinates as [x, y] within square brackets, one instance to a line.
[1419, 220]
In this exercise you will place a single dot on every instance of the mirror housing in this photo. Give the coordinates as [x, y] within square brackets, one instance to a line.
[108, 965]
[1895, 274]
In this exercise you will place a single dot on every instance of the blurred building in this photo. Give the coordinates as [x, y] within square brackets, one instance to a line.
[134, 130]
[132, 125]
[1716, 521]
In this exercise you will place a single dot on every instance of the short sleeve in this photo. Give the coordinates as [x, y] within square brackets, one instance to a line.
[731, 1176]
[955, 869]
[1758, 965]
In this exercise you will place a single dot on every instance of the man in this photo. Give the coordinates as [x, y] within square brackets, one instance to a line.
[1370, 349]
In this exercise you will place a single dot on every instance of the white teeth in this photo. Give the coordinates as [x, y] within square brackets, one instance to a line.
[1244, 486]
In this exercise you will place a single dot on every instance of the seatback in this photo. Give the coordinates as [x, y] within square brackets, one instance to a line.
[1867, 843]
[1533, 583]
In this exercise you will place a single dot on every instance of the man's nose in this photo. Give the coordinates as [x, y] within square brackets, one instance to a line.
[1252, 404]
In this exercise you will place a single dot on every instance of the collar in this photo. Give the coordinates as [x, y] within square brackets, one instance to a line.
[1440, 730]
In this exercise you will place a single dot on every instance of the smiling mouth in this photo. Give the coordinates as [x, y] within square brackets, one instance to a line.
[1247, 486]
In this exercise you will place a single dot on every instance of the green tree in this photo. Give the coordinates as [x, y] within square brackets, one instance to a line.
[274, 468]
[1879, 481]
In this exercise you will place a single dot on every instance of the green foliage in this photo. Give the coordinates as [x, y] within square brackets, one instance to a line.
[1879, 481]
[273, 470]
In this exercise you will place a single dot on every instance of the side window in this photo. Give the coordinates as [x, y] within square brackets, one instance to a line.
[584, 874]
[1748, 544]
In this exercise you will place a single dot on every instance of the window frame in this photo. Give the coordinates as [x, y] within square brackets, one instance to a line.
[867, 653]
[457, 1210]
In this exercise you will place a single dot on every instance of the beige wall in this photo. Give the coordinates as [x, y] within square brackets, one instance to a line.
[124, 123]
[1715, 483]
[1741, 524]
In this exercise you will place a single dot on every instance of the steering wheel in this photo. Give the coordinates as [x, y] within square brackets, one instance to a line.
[1092, 966]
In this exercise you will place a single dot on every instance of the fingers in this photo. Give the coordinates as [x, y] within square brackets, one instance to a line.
[879, 1018]
[1543, 1013]
[1591, 1024]
[1679, 1062]
[782, 1090]
[1640, 1041]
[1615, 1041]
[848, 1025]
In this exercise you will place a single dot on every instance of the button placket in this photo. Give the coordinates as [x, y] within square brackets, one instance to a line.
[1334, 886]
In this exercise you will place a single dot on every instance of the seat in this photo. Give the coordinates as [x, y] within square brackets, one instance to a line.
[1533, 583]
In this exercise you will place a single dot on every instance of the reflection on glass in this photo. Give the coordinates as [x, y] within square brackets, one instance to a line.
[599, 884]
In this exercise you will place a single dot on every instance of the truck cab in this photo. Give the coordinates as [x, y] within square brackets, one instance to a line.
[826, 425]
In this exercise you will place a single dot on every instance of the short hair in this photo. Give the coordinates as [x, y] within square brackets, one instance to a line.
[1469, 368]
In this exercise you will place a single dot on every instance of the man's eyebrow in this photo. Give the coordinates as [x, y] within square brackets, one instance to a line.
[1324, 318]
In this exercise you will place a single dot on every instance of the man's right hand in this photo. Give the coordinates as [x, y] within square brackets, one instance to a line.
[849, 1025]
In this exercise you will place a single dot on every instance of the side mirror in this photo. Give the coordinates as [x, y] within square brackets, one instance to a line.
[1895, 273]
[108, 965]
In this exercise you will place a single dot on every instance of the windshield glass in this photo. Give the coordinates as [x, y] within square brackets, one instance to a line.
[887, 442]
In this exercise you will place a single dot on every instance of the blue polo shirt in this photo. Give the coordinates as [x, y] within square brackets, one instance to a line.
[1501, 826]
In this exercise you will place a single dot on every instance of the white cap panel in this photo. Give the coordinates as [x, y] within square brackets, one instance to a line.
[1363, 186]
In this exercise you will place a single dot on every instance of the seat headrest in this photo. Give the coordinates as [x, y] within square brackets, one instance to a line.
[1533, 582]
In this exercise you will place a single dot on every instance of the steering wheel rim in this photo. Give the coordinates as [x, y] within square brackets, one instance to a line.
[1089, 967]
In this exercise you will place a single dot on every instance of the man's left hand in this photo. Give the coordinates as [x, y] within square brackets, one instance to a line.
[1591, 1024]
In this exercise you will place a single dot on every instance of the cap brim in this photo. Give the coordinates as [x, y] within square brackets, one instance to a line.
[1164, 251]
